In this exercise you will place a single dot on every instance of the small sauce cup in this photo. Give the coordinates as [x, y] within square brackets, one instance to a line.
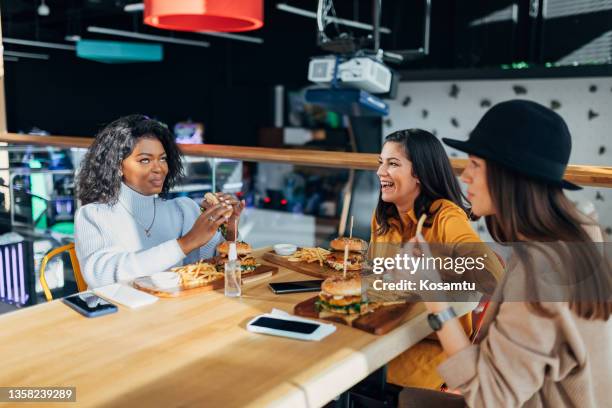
[166, 280]
[285, 249]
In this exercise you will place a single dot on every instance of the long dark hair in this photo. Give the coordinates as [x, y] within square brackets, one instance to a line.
[99, 179]
[532, 211]
[431, 166]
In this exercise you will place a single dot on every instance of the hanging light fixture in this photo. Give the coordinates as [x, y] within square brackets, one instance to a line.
[43, 10]
[204, 15]
[119, 52]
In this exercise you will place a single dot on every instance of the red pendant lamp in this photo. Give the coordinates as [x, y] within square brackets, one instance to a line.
[204, 15]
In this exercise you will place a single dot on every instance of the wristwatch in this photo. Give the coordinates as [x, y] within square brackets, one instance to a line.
[436, 320]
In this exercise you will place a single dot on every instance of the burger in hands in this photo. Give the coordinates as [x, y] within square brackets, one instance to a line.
[342, 295]
[213, 200]
[354, 262]
[231, 211]
[243, 250]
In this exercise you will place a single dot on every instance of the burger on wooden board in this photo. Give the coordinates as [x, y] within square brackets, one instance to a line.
[356, 247]
[342, 295]
[244, 251]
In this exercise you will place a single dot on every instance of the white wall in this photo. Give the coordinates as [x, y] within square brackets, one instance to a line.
[577, 97]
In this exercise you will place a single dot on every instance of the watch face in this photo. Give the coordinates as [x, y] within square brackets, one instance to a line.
[434, 322]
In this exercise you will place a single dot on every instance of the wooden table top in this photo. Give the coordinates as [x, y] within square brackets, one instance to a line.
[193, 351]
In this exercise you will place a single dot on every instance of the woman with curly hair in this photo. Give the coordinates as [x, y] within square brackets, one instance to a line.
[126, 228]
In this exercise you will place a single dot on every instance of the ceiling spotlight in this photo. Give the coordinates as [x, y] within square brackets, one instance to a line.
[43, 10]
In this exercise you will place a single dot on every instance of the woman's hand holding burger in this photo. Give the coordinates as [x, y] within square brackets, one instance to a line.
[234, 209]
[204, 228]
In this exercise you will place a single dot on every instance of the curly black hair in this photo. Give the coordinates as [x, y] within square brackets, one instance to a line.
[99, 179]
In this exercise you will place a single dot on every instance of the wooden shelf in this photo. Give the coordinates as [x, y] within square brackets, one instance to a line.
[600, 176]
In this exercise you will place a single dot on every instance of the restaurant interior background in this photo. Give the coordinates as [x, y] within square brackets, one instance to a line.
[457, 58]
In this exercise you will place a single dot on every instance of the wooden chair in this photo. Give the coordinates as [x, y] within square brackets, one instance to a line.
[81, 285]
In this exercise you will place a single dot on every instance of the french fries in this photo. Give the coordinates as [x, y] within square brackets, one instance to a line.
[309, 255]
[197, 274]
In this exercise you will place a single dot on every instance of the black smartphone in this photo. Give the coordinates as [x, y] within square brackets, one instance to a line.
[295, 287]
[285, 325]
[89, 305]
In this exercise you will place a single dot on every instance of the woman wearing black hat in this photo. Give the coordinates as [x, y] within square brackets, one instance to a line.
[538, 347]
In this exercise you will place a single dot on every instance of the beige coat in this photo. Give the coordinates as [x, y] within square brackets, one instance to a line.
[532, 361]
[528, 360]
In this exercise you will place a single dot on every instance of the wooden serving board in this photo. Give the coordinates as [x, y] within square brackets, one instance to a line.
[145, 284]
[380, 321]
[311, 269]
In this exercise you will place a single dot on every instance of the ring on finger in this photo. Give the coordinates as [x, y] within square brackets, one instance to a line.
[211, 219]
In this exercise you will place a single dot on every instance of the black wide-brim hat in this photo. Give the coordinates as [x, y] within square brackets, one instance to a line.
[525, 137]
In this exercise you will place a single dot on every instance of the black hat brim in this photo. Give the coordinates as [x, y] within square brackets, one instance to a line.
[480, 151]
[569, 186]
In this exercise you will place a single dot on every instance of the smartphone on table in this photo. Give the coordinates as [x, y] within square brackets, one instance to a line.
[89, 304]
[296, 287]
[274, 326]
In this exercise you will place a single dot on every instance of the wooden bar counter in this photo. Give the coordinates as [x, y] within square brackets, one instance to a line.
[192, 351]
[600, 176]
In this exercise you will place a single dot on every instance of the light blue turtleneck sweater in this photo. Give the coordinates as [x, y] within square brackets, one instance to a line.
[112, 246]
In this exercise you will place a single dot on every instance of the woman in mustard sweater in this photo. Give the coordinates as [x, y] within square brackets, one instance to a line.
[416, 178]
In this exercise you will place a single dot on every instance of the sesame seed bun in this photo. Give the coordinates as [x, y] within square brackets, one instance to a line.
[340, 286]
[354, 244]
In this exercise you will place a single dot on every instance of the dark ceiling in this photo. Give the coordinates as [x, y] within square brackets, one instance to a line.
[229, 86]
[455, 41]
